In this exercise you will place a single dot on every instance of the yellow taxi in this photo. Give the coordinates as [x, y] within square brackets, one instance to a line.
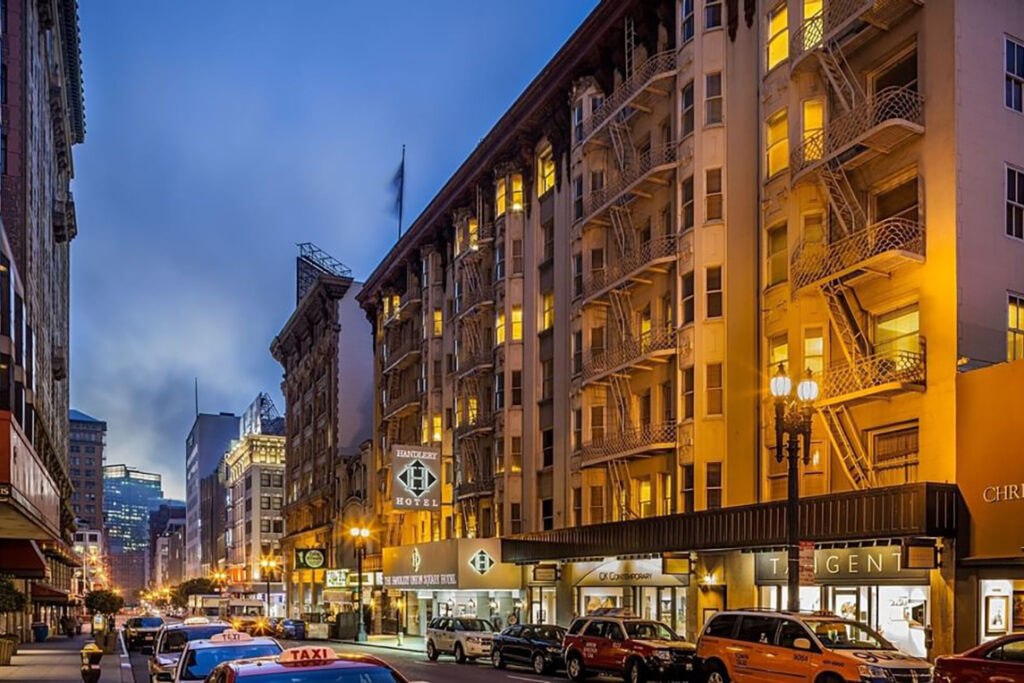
[759, 646]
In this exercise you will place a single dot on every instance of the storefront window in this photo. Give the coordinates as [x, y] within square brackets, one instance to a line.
[1001, 608]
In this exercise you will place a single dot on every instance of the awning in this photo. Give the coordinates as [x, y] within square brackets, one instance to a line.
[44, 593]
[21, 559]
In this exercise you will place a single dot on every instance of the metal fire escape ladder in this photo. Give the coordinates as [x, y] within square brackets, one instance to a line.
[842, 198]
[622, 227]
[837, 70]
[846, 440]
[622, 145]
[629, 37]
[622, 399]
[848, 320]
[618, 477]
[622, 310]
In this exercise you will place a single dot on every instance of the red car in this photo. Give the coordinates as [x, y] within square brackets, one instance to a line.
[638, 650]
[997, 661]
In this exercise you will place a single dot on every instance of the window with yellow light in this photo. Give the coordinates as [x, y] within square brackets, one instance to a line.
[777, 139]
[778, 36]
[517, 323]
[499, 197]
[545, 171]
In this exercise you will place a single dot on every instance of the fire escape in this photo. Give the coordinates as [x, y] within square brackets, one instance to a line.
[859, 127]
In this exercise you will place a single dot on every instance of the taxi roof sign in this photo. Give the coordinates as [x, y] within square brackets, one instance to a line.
[229, 636]
[307, 655]
[192, 621]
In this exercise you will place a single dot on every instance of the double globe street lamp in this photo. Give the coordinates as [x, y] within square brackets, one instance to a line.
[267, 565]
[792, 423]
[359, 536]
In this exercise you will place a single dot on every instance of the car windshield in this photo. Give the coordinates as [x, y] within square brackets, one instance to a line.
[549, 633]
[467, 624]
[145, 622]
[847, 635]
[174, 641]
[333, 675]
[649, 630]
[200, 663]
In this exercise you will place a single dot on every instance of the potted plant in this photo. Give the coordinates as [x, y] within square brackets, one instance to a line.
[107, 603]
[11, 600]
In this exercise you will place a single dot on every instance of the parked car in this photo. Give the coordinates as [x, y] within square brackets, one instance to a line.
[538, 646]
[464, 638]
[308, 665]
[200, 657]
[997, 661]
[171, 642]
[636, 649]
[291, 629]
[779, 647]
[141, 631]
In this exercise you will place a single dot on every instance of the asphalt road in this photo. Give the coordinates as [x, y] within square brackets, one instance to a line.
[414, 665]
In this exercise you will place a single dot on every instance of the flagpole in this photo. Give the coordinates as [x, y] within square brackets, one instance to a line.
[401, 194]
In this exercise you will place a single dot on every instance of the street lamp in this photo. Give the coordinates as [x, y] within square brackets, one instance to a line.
[793, 420]
[220, 578]
[359, 536]
[268, 565]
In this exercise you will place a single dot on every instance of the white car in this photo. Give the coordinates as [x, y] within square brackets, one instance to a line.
[462, 637]
[200, 657]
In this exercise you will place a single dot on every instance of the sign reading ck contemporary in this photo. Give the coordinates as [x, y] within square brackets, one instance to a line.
[416, 478]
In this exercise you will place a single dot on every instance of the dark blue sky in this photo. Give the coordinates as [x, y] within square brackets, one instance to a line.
[219, 134]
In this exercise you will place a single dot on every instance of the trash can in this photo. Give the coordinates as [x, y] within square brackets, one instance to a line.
[6, 650]
[14, 641]
[91, 656]
[40, 630]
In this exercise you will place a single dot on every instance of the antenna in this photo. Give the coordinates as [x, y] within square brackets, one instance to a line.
[197, 396]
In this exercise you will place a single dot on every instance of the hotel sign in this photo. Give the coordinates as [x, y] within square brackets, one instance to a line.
[464, 564]
[416, 478]
[882, 565]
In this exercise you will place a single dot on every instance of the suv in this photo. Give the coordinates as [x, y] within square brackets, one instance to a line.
[141, 631]
[462, 637]
[636, 649]
[786, 646]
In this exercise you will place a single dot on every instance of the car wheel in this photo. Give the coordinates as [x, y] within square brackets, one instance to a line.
[431, 651]
[717, 674]
[540, 664]
[635, 672]
[497, 660]
[574, 668]
[460, 656]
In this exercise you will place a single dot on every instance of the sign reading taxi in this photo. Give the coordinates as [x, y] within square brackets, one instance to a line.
[307, 655]
[416, 478]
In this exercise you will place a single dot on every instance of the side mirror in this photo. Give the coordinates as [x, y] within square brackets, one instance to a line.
[802, 644]
[147, 649]
[164, 676]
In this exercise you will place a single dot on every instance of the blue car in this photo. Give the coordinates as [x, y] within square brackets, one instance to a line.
[538, 646]
[291, 629]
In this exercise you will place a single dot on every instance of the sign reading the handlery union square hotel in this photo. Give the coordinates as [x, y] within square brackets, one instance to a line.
[415, 478]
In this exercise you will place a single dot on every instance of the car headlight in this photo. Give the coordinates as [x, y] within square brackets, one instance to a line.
[472, 639]
[868, 671]
[554, 649]
[663, 655]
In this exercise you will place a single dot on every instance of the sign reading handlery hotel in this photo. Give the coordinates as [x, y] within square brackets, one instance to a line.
[415, 478]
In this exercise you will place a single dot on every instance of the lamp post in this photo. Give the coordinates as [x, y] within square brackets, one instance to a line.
[359, 536]
[221, 579]
[793, 421]
[267, 565]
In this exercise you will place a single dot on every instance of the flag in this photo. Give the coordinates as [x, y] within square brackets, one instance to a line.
[398, 188]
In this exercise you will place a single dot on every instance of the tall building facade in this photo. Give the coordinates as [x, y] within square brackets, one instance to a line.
[43, 118]
[205, 446]
[87, 442]
[255, 501]
[164, 514]
[326, 353]
[575, 339]
[129, 496]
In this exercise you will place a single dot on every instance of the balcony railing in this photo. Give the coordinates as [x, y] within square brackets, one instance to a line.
[633, 441]
[474, 297]
[397, 402]
[628, 350]
[475, 423]
[657, 66]
[890, 105]
[837, 15]
[479, 487]
[402, 351]
[472, 244]
[815, 262]
[645, 163]
[598, 281]
[471, 362]
[891, 370]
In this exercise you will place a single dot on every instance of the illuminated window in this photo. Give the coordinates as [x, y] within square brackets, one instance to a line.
[777, 139]
[426, 430]
[499, 328]
[548, 312]
[471, 410]
[644, 497]
[546, 170]
[814, 350]
[517, 192]
[776, 257]
[897, 331]
[713, 98]
[499, 198]
[778, 36]
[438, 323]
[436, 435]
[813, 134]
[517, 323]
[473, 228]
[1015, 327]
[812, 11]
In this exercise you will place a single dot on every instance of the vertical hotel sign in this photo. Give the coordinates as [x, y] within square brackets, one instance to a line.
[415, 478]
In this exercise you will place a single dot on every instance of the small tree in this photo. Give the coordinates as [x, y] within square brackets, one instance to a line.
[107, 603]
[11, 599]
[200, 586]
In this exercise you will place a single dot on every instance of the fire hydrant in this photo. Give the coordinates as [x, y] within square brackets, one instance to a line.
[91, 656]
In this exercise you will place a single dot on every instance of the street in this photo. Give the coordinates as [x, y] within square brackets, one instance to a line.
[414, 665]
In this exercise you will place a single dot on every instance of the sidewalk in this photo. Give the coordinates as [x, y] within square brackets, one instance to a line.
[411, 644]
[58, 660]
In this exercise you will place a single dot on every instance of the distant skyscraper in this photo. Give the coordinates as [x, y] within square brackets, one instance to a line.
[87, 441]
[129, 494]
[207, 442]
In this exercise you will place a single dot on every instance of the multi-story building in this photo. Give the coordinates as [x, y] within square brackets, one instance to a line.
[163, 514]
[168, 564]
[42, 115]
[326, 353]
[129, 495]
[205, 446]
[93, 573]
[581, 326]
[87, 441]
[255, 499]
